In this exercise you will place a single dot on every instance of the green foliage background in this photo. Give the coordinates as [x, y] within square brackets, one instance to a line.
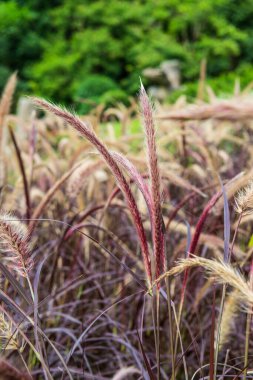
[65, 49]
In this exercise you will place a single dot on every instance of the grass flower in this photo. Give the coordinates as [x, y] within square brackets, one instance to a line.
[8, 337]
[244, 200]
[152, 161]
[14, 245]
[222, 272]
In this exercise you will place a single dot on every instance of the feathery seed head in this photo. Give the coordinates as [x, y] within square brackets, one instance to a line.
[223, 273]
[78, 178]
[15, 248]
[244, 200]
[152, 160]
[229, 314]
[8, 337]
[5, 102]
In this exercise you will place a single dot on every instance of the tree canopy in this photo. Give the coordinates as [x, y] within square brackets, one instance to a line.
[66, 49]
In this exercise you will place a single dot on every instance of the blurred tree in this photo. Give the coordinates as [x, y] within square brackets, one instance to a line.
[57, 45]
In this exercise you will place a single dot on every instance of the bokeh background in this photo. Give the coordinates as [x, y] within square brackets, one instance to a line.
[72, 242]
[69, 50]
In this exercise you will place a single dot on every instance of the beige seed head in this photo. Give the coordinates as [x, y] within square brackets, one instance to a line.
[230, 312]
[8, 337]
[244, 200]
[15, 248]
[223, 273]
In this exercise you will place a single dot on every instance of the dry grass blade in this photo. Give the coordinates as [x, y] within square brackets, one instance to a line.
[156, 212]
[146, 361]
[15, 283]
[123, 373]
[22, 169]
[222, 110]
[27, 317]
[232, 187]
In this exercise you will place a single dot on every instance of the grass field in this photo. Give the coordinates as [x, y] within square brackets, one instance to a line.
[126, 240]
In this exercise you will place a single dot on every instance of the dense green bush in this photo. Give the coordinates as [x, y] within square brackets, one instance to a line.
[57, 45]
[97, 89]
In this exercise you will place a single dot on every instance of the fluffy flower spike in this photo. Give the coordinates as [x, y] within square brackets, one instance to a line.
[15, 248]
[244, 200]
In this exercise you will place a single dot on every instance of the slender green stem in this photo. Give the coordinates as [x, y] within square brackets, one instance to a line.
[225, 365]
[24, 362]
[224, 288]
[169, 305]
[212, 359]
[167, 283]
[181, 343]
[154, 322]
[29, 283]
[179, 318]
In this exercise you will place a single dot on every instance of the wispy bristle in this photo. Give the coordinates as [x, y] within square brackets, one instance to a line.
[157, 222]
[141, 184]
[8, 337]
[222, 272]
[228, 316]
[80, 176]
[14, 245]
[244, 200]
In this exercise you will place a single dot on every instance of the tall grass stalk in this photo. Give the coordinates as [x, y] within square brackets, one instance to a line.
[156, 212]
[86, 132]
[227, 255]
[152, 160]
[171, 337]
[182, 348]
